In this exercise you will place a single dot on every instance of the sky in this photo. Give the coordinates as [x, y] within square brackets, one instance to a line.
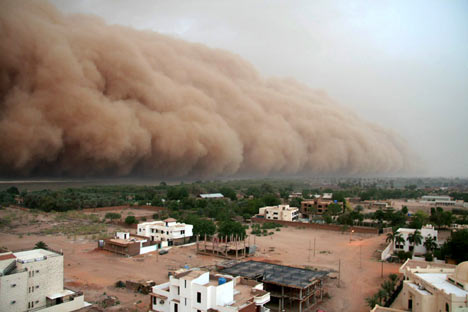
[400, 64]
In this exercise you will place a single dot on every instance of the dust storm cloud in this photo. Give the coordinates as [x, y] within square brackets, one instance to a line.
[82, 98]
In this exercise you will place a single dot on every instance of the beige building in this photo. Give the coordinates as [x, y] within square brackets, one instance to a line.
[280, 212]
[33, 280]
[432, 287]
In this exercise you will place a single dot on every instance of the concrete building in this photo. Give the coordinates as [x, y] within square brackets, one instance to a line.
[128, 244]
[168, 232]
[199, 291]
[430, 287]
[426, 231]
[317, 205]
[33, 280]
[280, 212]
[295, 288]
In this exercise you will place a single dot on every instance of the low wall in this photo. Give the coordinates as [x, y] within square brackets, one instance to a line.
[329, 227]
[118, 208]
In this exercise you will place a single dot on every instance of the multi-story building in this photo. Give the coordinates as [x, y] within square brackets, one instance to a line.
[168, 232]
[280, 212]
[200, 291]
[426, 231]
[33, 280]
[430, 287]
[317, 205]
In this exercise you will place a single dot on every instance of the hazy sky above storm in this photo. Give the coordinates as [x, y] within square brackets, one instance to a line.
[400, 64]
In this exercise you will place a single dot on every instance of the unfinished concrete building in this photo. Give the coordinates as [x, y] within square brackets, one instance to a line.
[232, 247]
[290, 288]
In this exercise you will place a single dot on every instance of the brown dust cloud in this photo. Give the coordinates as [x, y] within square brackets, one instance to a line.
[79, 98]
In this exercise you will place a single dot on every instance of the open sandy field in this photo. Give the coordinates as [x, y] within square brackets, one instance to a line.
[95, 272]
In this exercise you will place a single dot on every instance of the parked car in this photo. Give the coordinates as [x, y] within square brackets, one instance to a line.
[163, 251]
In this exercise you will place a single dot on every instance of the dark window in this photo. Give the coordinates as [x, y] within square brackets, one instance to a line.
[176, 307]
[199, 297]
[185, 301]
[154, 300]
[178, 290]
[182, 232]
[185, 283]
[410, 304]
[447, 307]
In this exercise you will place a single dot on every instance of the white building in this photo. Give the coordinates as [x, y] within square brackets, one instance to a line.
[33, 280]
[169, 232]
[199, 291]
[281, 212]
[430, 287]
[212, 196]
[426, 231]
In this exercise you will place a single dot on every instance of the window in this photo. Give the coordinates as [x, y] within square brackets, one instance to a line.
[176, 307]
[154, 300]
[186, 301]
[37, 271]
[13, 285]
[178, 290]
[447, 307]
[199, 297]
[185, 283]
[182, 232]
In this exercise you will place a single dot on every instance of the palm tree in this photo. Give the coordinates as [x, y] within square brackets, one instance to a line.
[415, 238]
[41, 245]
[390, 237]
[372, 301]
[382, 295]
[399, 240]
[393, 277]
[388, 286]
[430, 243]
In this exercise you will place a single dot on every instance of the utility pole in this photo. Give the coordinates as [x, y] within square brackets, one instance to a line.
[339, 272]
[314, 246]
[360, 257]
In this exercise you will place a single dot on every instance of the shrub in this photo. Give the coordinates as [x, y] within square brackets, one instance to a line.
[113, 215]
[120, 284]
[130, 220]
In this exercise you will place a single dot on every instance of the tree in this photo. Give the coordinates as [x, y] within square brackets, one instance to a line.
[41, 245]
[415, 238]
[382, 295]
[228, 228]
[391, 237]
[399, 240]
[131, 220]
[228, 192]
[456, 247]
[418, 220]
[430, 243]
[372, 301]
[404, 210]
[388, 286]
[13, 190]
[334, 209]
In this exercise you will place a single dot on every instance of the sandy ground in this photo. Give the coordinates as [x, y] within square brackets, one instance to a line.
[95, 272]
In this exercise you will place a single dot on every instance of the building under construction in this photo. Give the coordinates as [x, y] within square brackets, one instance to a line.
[291, 288]
[232, 247]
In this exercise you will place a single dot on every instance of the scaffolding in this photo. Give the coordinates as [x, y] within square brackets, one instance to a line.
[294, 288]
[232, 247]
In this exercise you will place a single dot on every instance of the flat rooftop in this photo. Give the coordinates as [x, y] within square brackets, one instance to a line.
[439, 281]
[275, 273]
[34, 254]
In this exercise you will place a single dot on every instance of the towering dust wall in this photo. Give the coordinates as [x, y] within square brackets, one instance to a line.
[82, 98]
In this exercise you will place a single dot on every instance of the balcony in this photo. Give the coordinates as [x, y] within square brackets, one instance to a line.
[162, 289]
[260, 296]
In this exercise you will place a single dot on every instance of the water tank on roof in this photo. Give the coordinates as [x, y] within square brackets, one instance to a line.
[221, 281]
[335, 201]
[186, 266]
